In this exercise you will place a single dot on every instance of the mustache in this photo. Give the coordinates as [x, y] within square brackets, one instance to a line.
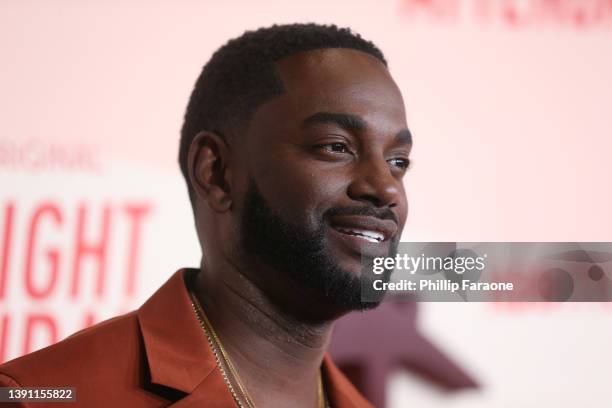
[380, 213]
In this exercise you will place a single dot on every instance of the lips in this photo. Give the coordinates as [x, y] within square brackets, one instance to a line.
[369, 229]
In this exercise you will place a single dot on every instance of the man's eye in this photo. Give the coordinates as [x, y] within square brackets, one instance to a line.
[401, 163]
[336, 147]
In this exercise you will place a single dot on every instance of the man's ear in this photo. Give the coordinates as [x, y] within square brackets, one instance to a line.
[209, 171]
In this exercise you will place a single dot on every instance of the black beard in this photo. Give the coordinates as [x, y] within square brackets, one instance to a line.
[302, 253]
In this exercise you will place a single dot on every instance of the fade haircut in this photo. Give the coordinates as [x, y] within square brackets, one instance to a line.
[241, 75]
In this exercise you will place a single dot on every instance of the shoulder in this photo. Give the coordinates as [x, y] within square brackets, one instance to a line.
[97, 361]
[89, 352]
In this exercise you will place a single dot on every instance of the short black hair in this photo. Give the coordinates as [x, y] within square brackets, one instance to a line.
[241, 75]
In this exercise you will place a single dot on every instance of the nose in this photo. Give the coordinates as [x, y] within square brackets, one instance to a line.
[374, 183]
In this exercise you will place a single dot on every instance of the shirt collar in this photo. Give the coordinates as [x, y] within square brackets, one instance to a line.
[176, 347]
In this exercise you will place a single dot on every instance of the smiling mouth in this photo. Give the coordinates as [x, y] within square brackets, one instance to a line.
[369, 229]
[369, 236]
[364, 235]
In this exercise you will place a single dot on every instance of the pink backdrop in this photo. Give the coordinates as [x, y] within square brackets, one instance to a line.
[508, 100]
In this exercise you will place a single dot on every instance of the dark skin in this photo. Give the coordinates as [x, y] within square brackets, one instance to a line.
[305, 156]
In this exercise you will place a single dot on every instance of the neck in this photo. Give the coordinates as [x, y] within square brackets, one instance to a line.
[276, 354]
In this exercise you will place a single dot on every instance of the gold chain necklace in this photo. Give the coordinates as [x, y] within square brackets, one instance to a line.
[223, 362]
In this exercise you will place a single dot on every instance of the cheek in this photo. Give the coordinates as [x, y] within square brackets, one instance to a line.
[301, 193]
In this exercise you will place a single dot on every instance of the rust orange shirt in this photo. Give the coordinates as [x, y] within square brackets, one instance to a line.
[156, 356]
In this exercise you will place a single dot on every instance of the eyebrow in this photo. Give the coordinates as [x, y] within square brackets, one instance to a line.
[344, 120]
[404, 136]
[350, 123]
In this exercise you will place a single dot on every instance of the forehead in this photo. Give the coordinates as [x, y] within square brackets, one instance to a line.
[335, 80]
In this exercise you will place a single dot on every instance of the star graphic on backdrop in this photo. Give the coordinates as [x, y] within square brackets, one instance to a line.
[369, 346]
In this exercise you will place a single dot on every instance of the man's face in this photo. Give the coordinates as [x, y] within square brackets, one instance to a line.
[321, 172]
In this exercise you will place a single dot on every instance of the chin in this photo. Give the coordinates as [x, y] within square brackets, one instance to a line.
[350, 289]
[351, 266]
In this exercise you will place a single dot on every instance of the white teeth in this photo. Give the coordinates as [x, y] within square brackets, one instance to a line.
[371, 236]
